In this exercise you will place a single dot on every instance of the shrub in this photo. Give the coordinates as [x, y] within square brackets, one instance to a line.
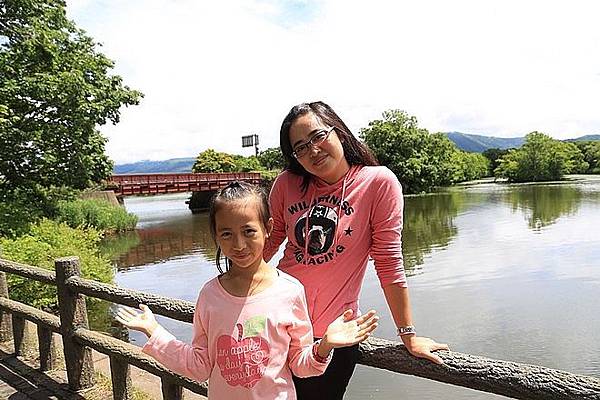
[268, 177]
[47, 241]
[19, 208]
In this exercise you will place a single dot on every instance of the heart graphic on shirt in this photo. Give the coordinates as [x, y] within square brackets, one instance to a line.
[243, 361]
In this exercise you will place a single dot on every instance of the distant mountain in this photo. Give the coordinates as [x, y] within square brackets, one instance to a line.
[584, 138]
[148, 167]
[479, 143]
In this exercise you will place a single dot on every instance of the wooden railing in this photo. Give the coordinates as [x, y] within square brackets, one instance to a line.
[500, 377]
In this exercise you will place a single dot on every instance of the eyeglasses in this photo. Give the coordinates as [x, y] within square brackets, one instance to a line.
[319, 137]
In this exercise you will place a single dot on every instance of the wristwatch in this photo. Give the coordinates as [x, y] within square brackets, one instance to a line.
[406, 330]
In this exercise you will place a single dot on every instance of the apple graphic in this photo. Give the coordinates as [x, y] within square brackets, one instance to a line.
[242, 361]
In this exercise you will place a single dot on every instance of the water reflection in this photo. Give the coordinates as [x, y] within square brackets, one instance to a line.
[113, 246]
[161, 242]
[543, 205]
[428, 224]
[488, 283]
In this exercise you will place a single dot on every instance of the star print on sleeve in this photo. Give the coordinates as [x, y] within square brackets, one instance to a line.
[348, 231]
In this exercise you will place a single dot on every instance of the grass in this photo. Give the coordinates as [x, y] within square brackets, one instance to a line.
[103, 390]
[95, 213]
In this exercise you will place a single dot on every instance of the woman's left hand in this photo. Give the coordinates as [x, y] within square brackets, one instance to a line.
[422, 347]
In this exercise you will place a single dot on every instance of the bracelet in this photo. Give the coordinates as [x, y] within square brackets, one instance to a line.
[406, 330]
[316, 355]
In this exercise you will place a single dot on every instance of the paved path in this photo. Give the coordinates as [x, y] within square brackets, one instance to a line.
[21, 380]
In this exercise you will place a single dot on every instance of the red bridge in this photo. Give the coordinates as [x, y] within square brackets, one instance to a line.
[134, 184]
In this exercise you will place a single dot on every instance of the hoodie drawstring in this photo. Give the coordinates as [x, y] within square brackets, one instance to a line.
[338, 215]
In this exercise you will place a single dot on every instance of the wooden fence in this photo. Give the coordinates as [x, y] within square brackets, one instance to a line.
[501, 377]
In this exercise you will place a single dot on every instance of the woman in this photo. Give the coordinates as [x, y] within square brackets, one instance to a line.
[336, 207]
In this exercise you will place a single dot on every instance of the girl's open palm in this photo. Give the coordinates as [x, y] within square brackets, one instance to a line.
[345, 331]
[143, 321]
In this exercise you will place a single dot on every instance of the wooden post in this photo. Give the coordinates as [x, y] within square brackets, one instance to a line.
[120, 373]
[170, 390]
[18, 330]
[5, 318]
[73, 315]
[48, 358]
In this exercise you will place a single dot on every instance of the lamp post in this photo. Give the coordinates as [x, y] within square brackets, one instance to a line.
[249, 141]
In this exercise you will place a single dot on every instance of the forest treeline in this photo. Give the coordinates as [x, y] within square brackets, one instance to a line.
[423, 161]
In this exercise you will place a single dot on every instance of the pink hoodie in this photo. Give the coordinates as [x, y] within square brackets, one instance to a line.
[357, 217]
[247, 347]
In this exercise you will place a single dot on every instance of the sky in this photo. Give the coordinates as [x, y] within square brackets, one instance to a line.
[214, 71]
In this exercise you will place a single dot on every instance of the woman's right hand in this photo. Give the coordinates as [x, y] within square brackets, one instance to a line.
[143, 321]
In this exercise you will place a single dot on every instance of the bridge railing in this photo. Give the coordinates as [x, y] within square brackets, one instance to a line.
[151, 184]
[132, 179]
[506, 378]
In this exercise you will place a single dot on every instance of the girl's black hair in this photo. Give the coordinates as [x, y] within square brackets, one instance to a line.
[236, 191]
[355, 152]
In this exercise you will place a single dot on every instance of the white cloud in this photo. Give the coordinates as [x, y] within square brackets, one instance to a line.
[214, 71]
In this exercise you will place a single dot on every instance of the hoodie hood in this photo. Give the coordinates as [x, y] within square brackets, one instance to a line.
[319, 185]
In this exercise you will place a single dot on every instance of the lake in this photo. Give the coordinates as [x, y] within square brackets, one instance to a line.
[509, 272]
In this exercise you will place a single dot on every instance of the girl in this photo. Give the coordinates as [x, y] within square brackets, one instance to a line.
[336, 207]
[251, 325]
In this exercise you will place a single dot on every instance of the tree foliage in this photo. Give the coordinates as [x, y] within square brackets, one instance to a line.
[55, 90]
[494, 155]
[469, 166]
[214, 161]
[421, 160]
[246, 164]
[541, 158]
[271, 159]
[591, 155]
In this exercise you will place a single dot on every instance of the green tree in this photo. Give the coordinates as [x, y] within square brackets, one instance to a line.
[591, 155]
[469, 166]
[494, 155]
[55, 90]
[213, 161]
[541, 158]
[575, 162]
[271, 158]
[420, 160]
[246, 164]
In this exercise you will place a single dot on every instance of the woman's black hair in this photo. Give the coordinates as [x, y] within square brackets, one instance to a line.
[355, 152]
[236, 191]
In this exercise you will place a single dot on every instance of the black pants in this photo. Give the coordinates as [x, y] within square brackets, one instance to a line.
[332, 384]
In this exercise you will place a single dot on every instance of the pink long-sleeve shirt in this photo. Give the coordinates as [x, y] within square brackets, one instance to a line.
[348, 221]
[247, 347]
